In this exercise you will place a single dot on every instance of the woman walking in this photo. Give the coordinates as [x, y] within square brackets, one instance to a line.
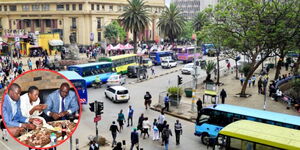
[147, 98]
[140, 122]
[155, 130]
[121, 119]
[146, 127]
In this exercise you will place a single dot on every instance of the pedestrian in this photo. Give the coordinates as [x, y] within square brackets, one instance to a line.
[259, 85]
[134, 139]
[121, 119]
[147, 98]
[241, 79]
[4, 130]
[146, 127]
[155, 130]
[93, 145]
[160, 122]
[166, 100]
[118, 147]
[152, 70]
[37, 64]
[166, 133]
[228, 65]
[178, 131]
[223, 95]
[253, 80]
[199, 107]
[140, 122]
[130, 115]
[114, 129]
[250, 82]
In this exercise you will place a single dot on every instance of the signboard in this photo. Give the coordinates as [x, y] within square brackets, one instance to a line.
[92, 36]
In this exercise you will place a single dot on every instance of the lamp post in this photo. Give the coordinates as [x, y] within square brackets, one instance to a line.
[194, 76]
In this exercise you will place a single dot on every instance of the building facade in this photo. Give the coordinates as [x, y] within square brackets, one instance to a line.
[86, 19]
[190, 8]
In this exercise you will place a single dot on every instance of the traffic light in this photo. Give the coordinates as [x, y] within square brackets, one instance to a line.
[99, 108]
[92, 106]
[179, 80]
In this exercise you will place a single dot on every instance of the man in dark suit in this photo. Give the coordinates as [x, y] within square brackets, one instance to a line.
[12, 115]
[61, 103]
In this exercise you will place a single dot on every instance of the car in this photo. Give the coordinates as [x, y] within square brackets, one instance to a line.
[116, 80]
[147, 62]
[117, 94]
[132, 71]
[189, 69]
[168, 63]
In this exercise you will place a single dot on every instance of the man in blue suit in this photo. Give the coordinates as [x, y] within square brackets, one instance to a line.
[61, 103]
[12, 115]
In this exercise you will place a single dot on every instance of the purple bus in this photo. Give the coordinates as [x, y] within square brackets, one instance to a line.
[186, 54]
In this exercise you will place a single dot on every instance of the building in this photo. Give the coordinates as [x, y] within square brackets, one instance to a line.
[190, 8]
[86, 19]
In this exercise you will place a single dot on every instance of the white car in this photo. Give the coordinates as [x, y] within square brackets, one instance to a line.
[168, 63]
[189, 69]
[117, 94]
[116, 80]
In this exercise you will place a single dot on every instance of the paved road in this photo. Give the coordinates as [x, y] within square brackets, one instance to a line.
[137, 91]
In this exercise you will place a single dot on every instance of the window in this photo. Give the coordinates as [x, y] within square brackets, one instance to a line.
[111, 7]
[92, 6]
[98, 7]
[45, 7]
[67, 7]
[37, 23]
[48, 23]
[235, 143]
[25, 8]
[60, 7]
[98, 23]
[80, 7]
[13, 8]
[35, 7]
[73, 22]
[74, 7]
[0, 8]
[5, 8]
[103, 7]
[99, 36]
[120, 8]
[27, 22]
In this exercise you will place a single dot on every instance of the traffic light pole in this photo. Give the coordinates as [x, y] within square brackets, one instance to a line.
[96, 108]
[194, 80]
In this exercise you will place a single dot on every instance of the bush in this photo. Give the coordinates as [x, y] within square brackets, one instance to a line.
[245, 69]
[174, 90]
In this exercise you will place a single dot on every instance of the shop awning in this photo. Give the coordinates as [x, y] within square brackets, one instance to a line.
[56, 42]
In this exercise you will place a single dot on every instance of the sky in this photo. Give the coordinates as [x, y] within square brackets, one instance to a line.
[168, 2]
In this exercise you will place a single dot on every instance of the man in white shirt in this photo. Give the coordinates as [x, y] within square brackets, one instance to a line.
[30, 103]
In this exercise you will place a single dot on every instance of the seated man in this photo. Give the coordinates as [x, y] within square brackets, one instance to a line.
[61, 103]
[12, 115]
[30, 103]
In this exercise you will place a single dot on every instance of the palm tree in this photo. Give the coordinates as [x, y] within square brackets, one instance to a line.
[209, 67]
[199, 21]
[135, 19]
[171, 22]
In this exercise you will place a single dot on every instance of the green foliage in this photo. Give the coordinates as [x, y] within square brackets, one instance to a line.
[135, 19]
[174, 90]
[210, 66]
[111, 32]
[245, 69]
[104, 59]
[187, 31]
[171, 22]
[296, 85]
[200, 20]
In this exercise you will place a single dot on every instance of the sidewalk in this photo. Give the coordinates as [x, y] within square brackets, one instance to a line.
[232, 87]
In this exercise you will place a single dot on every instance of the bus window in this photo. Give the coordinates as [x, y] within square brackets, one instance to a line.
[250, 118]
[264, 147]
[247, 145]
[270, 122]
[235, 143]
[278, 124]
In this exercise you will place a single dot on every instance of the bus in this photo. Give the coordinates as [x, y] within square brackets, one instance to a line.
[91, 70]
[186, 54]
[79, 84]
[217, 116]
[121, 62]
[208, 47]
[250, 135]
[158, 56]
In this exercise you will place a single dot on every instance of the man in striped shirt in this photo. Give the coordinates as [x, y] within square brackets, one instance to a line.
[178, 131]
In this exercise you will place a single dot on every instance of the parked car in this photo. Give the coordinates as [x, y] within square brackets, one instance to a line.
[168, 63]
[116, 80]
[189, 69]
[117, 94]
[132, 71]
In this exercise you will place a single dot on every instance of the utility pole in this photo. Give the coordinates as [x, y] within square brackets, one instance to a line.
[194, 78]
[96, 108]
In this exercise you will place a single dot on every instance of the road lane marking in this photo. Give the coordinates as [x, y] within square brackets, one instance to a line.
[5, 146]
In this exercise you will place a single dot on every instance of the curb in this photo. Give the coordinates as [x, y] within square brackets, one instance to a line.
[174, 115]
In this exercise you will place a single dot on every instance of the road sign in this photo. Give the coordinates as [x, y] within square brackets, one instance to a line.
[97, 118]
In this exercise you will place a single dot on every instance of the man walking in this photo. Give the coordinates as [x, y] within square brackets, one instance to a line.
[134, 139]
[199, 107]
[223, 95]
[165, 136]
[130, 115]
[114, 129]
[178, 131]
[166, 100]
[152, 70]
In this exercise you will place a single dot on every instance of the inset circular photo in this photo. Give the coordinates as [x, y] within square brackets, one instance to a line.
[41, 109]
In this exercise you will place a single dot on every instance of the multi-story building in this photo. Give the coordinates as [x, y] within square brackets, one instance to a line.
[190, 8]
[86, 19]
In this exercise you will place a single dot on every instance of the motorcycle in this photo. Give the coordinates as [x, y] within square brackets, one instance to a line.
[97, 85]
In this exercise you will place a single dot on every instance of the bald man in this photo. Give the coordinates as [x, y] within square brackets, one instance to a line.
[12, 115]
[61, 103]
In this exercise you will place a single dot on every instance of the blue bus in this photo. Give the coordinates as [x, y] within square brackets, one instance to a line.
[158, 56]
[91, 70]
[79, 84]
[207, 47]
[215, 117]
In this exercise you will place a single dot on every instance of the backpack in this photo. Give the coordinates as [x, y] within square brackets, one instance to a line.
[165, 134]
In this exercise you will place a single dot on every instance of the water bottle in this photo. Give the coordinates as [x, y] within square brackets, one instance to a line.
[53, 139]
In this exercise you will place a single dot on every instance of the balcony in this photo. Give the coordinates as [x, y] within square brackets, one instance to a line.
[73, 27]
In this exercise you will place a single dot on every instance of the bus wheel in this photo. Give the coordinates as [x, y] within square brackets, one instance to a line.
[205, 139]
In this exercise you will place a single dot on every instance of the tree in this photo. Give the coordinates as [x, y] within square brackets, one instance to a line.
[250, 28]
[209, 67]
[187, 31]
[200, 20]
[111, 32]
[135, 19]
[171, 22]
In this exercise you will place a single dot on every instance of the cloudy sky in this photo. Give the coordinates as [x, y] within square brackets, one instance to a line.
[168, 2]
